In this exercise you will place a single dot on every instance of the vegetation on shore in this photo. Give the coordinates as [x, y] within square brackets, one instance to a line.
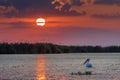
[41, 48]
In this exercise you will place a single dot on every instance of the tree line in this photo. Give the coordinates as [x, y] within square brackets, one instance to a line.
[42, 48]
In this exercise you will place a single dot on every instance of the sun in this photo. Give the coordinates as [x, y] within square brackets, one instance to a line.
[40, 21]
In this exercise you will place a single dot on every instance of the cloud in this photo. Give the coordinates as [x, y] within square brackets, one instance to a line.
[28, 8]
[64, 6]
[35, 8]
[32, 8]
[90, 7]
[76, 2]
[7, 11]
[104, 10]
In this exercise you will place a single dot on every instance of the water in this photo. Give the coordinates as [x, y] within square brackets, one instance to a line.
[106, 66]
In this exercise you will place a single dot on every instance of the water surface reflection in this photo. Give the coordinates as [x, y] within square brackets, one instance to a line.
[41, 72]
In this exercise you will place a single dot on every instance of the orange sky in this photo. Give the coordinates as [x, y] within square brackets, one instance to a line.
[66, 21]
[70, 22]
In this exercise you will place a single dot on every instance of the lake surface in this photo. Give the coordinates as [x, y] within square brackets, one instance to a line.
[106, 66]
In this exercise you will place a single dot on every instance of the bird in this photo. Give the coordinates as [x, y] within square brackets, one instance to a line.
[87, 63]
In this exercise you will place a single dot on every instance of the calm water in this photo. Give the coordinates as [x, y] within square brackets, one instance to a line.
[59, 66]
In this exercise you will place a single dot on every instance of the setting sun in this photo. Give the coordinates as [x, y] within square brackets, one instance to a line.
[40, 22]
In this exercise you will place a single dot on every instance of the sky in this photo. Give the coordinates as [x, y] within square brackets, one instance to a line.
[68, 22]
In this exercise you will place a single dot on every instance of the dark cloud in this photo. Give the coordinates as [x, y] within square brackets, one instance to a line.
[5, 2]
[32, 8]
[36, 8]
[77, 2]
[7, 11]
[65, 9]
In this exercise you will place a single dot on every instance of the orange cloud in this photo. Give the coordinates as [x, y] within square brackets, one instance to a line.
[106, 10]
[89, 6]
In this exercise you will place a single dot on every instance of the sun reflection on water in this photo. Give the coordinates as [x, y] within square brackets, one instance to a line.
[41, 72]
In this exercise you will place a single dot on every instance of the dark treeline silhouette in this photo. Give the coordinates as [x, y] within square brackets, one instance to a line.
[41, 48]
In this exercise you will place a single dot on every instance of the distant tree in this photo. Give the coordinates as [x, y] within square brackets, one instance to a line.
[42, 48]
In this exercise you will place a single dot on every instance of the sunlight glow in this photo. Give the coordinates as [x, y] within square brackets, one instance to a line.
[41, 74]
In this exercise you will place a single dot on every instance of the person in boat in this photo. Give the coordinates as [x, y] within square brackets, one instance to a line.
[87, 63]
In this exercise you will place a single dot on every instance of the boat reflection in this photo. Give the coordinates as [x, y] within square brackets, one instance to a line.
[41, 72]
